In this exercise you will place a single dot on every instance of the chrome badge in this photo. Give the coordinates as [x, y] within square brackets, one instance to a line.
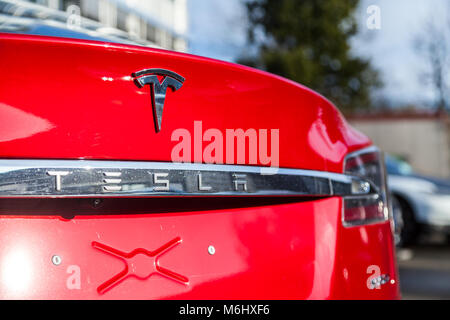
[158, 89]
[94, 178]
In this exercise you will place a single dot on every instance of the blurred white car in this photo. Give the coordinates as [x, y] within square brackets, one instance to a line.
[420, 203]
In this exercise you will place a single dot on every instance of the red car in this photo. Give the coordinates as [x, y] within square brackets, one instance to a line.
[129, 172]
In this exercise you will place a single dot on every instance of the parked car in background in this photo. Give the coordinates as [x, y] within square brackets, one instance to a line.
[421, 204]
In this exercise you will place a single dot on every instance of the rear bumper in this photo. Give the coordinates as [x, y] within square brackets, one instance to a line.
[285, 251]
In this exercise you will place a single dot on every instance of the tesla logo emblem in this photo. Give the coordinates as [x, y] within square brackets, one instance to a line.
[158, 89]
[139, 263]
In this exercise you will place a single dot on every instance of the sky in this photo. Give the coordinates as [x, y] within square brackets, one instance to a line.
[217, 29]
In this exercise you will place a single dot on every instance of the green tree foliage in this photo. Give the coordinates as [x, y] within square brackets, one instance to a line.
[308, 41]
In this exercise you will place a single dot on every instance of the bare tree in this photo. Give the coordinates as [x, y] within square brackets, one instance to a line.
[433, 45]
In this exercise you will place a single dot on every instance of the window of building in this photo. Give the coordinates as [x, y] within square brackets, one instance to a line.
[107, 13]
[134, 25]
[121, 19]
[66, 3]
[89, 9]
[151, 33]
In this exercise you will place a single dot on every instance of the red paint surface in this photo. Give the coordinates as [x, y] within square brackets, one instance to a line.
[291, 251]
[56, 89]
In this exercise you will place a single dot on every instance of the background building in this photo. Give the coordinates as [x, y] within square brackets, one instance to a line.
[162, 22]
[420, 138]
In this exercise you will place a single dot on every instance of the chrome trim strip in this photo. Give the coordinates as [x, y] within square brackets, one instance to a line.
[97, 178]
[361, 151]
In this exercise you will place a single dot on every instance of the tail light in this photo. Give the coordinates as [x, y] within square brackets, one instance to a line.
[373, 207]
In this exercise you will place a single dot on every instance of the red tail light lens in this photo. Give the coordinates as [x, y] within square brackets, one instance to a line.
[368, 164]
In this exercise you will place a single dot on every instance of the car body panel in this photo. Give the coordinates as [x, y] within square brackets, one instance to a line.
[287, 251]
[75, 99]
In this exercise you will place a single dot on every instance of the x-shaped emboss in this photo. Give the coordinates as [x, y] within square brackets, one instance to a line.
[139, 263]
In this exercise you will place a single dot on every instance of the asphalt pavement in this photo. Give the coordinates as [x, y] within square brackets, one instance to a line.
[425, 271]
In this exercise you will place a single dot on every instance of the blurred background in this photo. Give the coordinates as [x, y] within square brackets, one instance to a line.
[385, 64]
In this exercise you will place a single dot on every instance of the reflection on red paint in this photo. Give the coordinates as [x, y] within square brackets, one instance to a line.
[19, 124]
[139, 263]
